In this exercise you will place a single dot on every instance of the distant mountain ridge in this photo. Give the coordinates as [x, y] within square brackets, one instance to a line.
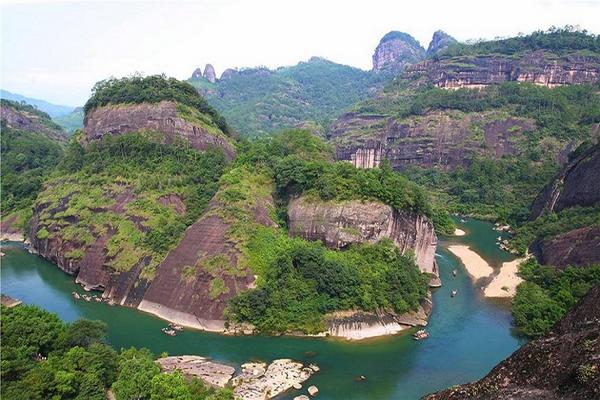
[53, 110]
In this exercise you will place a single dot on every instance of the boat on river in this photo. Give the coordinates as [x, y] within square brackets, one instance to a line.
[175, 327]
[169, 331]
[453, 293]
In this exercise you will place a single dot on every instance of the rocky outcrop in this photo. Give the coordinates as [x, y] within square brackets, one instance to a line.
[339, 224]
[437, 139]
[162, 117]
[539, 67]
[255, 380]
[209, 73]
[228, 73]
[197, 74]
[577, 184]
[563, 365]
[579, 247]
[439, 42]
[395, 51]
[30, 122]
[359, 325]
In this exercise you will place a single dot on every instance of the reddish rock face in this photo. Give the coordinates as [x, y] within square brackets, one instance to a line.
[436, 139]
[548, 368]
[577, 184]
[479, 71]
[395, 51]
[579, 247]
[338, 224]
[28, 122]
[160, 117]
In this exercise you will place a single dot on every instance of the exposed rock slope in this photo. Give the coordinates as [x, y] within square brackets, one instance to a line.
[437, 139]
[576, 185]
[395, 51]
[26, 118]
[539, 67]
[439, 42]
[176, 122]
[564, 364]
[338, 224]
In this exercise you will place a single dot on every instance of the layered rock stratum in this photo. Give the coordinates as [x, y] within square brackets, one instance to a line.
[174, 122]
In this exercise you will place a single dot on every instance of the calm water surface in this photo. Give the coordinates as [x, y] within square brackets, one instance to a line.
[468, 334]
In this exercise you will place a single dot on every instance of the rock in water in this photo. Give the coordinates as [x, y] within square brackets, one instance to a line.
[313, 391]
[209, 73]
[302, 397]
[257, 381]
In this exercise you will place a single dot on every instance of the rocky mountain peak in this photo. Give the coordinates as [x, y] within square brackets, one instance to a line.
[395, 51]
[209, 73]
[197, 73]
[440, 41]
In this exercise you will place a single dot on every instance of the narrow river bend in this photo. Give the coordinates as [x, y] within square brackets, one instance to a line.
[468, 334]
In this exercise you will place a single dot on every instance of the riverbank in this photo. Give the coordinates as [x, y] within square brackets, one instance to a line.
[505, 283]
[476, 266]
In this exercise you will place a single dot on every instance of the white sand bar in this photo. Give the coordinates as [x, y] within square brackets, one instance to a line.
[476, 266]
[505, 283]
[459, 232]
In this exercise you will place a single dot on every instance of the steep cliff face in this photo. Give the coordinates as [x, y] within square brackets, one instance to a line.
[439, 42]
[437, 139]
[30, 121]
[577, 184]
[198, 277]
[539, 67]
[395, 51]
[561, 365]
[176, 122]
[209, 73]
[338, 224]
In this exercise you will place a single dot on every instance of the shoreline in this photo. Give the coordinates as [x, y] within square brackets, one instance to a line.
[475, 265]
[505, 283]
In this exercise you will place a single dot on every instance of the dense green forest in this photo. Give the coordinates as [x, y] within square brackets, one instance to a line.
[151, 89]
[45, 358]
[72, 121]
[548, 293]
[557, 40]
[301, 281]
[258, 101]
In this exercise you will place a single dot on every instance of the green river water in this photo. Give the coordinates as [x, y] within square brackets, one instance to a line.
[468, 334]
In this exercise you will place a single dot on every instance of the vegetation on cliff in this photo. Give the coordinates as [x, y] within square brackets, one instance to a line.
[151, 89]
[299, 281]
[44, 358]
[548, 293]
[119, 185]
[27, 157]
[557, 40]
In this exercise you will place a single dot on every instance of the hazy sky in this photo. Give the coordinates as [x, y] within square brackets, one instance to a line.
[57, 50]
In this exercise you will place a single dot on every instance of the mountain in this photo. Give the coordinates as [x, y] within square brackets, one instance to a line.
[561, 365]
[439, 42]
[71, 121]
[472, 120]
[395, 51]
[53, 110]
[31, 146]
[259, 100]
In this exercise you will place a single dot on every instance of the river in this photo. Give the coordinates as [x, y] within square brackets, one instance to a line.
[468, 334]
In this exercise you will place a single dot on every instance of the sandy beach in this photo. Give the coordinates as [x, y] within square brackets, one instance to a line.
[507, 279]
[459, 232]
[476, 266]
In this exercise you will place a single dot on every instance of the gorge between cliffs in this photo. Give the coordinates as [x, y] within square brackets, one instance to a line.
[463, 330]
